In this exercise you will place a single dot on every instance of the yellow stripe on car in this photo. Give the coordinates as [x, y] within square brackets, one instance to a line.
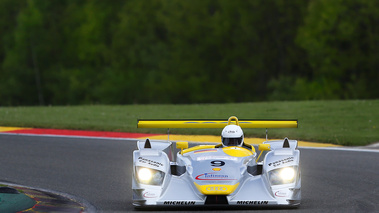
[236, 151]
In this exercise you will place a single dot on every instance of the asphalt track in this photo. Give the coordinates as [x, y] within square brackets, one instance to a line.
[99, 171]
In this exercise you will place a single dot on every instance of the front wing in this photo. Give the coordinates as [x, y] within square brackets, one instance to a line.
[180, 193]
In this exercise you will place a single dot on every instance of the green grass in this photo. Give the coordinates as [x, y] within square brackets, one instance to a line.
[340, 122]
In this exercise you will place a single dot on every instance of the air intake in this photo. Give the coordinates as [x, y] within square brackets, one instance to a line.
[216, 199]
[147, 144]
[286, 143]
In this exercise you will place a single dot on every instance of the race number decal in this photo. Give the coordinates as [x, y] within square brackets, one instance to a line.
[217, 163]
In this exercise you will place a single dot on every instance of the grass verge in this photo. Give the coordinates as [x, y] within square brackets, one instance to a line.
[353, 122]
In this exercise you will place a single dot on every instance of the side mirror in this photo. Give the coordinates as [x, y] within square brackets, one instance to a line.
[181, 146]
[264, 147]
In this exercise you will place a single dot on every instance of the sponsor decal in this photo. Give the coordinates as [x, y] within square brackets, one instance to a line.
[179, 203]
[252, 202]
[281, 162]
[216, 189]
[216, 169]
[149, 195]
[203, 151]
[216, 158]
[281, 194]
[150, 162]
[213, 176]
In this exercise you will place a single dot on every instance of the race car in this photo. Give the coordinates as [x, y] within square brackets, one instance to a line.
[229, 173]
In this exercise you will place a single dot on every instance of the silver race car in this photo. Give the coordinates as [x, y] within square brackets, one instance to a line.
[229, 173]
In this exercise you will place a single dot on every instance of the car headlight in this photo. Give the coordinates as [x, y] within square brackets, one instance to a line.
[283, 175]
[149, 176]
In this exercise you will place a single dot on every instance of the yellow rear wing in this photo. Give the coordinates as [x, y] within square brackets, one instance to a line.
[215, 123]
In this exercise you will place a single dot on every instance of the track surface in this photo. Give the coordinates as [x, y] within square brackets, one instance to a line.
[99, 171]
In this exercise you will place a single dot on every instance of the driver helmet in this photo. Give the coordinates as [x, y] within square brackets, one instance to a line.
[232, 135]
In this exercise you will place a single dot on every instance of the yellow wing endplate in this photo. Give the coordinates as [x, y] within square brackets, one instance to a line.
[215, 123]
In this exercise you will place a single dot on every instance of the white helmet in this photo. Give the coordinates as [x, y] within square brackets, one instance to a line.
[232, 135]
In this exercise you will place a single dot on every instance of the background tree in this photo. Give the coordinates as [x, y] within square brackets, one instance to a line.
[203, 51]
[341, 39]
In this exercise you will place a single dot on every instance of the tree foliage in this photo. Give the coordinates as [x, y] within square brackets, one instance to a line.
[138, 51]
[341, 39]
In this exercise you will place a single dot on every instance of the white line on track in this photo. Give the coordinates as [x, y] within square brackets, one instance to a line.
[67, 136]
[353, 149]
